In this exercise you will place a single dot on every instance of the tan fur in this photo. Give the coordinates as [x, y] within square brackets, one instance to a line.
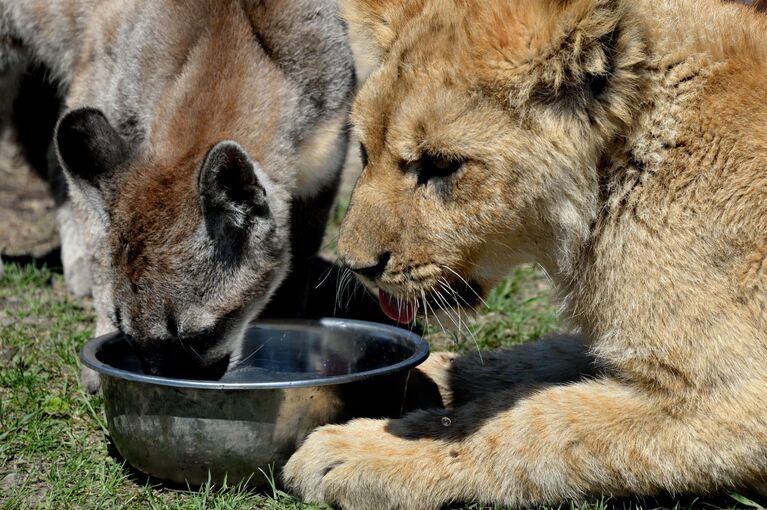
[620, 144]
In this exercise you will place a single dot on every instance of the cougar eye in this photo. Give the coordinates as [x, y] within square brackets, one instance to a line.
[431, 166]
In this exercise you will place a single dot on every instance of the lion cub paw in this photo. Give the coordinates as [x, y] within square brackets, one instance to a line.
[362, 466]
[437, 368]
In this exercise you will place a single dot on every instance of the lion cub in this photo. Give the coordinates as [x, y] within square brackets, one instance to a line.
[620, 144]
[202, 144]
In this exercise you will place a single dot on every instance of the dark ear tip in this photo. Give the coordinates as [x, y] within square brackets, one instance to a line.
[82, 112]
[224, 159]
[228, 177]
[228, 152]
[88, 145]
[79, 118]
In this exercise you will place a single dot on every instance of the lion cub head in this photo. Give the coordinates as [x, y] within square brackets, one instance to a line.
[481, 130]
[188, 248]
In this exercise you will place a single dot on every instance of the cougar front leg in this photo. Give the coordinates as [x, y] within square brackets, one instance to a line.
[75, 254]
[79, 269]
[535, 446]
[102, 303]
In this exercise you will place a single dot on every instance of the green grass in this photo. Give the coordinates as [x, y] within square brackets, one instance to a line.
[54, 448]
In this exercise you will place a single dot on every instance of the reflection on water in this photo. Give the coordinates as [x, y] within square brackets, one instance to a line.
[270, 356]
[250, 374]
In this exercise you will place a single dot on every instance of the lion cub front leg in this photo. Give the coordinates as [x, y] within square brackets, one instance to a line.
[531, 447]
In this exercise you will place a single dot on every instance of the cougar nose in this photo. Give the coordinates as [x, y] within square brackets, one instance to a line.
[375, 270]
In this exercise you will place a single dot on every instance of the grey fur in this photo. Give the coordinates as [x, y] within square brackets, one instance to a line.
[127, 79]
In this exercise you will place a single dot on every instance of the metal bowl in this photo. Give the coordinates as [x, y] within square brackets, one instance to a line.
[294, 376]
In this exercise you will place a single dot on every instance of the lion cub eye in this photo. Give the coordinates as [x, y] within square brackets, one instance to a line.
[431, 166]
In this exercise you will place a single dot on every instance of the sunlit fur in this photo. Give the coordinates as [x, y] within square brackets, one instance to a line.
[621, 145]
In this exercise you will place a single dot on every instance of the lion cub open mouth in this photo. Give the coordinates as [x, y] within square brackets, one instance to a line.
[397, 309]
[404, 310]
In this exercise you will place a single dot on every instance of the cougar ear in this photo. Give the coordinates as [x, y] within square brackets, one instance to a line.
[231, 195]
[89, 148]
[379, 21]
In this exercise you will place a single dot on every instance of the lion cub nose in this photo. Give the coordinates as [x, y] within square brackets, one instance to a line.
[374, 270]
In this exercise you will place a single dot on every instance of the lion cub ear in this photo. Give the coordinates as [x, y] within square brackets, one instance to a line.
[562, 52]
[379, 21]
[90, 149]
[231, 195]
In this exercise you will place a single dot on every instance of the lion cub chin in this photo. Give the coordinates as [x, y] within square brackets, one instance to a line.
[621, 145]
[201, 146]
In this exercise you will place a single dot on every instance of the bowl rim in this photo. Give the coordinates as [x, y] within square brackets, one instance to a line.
[421, 352]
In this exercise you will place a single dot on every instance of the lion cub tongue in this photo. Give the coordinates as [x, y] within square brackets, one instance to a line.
[402, 311]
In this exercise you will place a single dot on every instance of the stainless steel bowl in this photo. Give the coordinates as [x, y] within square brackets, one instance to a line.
[294, 376]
